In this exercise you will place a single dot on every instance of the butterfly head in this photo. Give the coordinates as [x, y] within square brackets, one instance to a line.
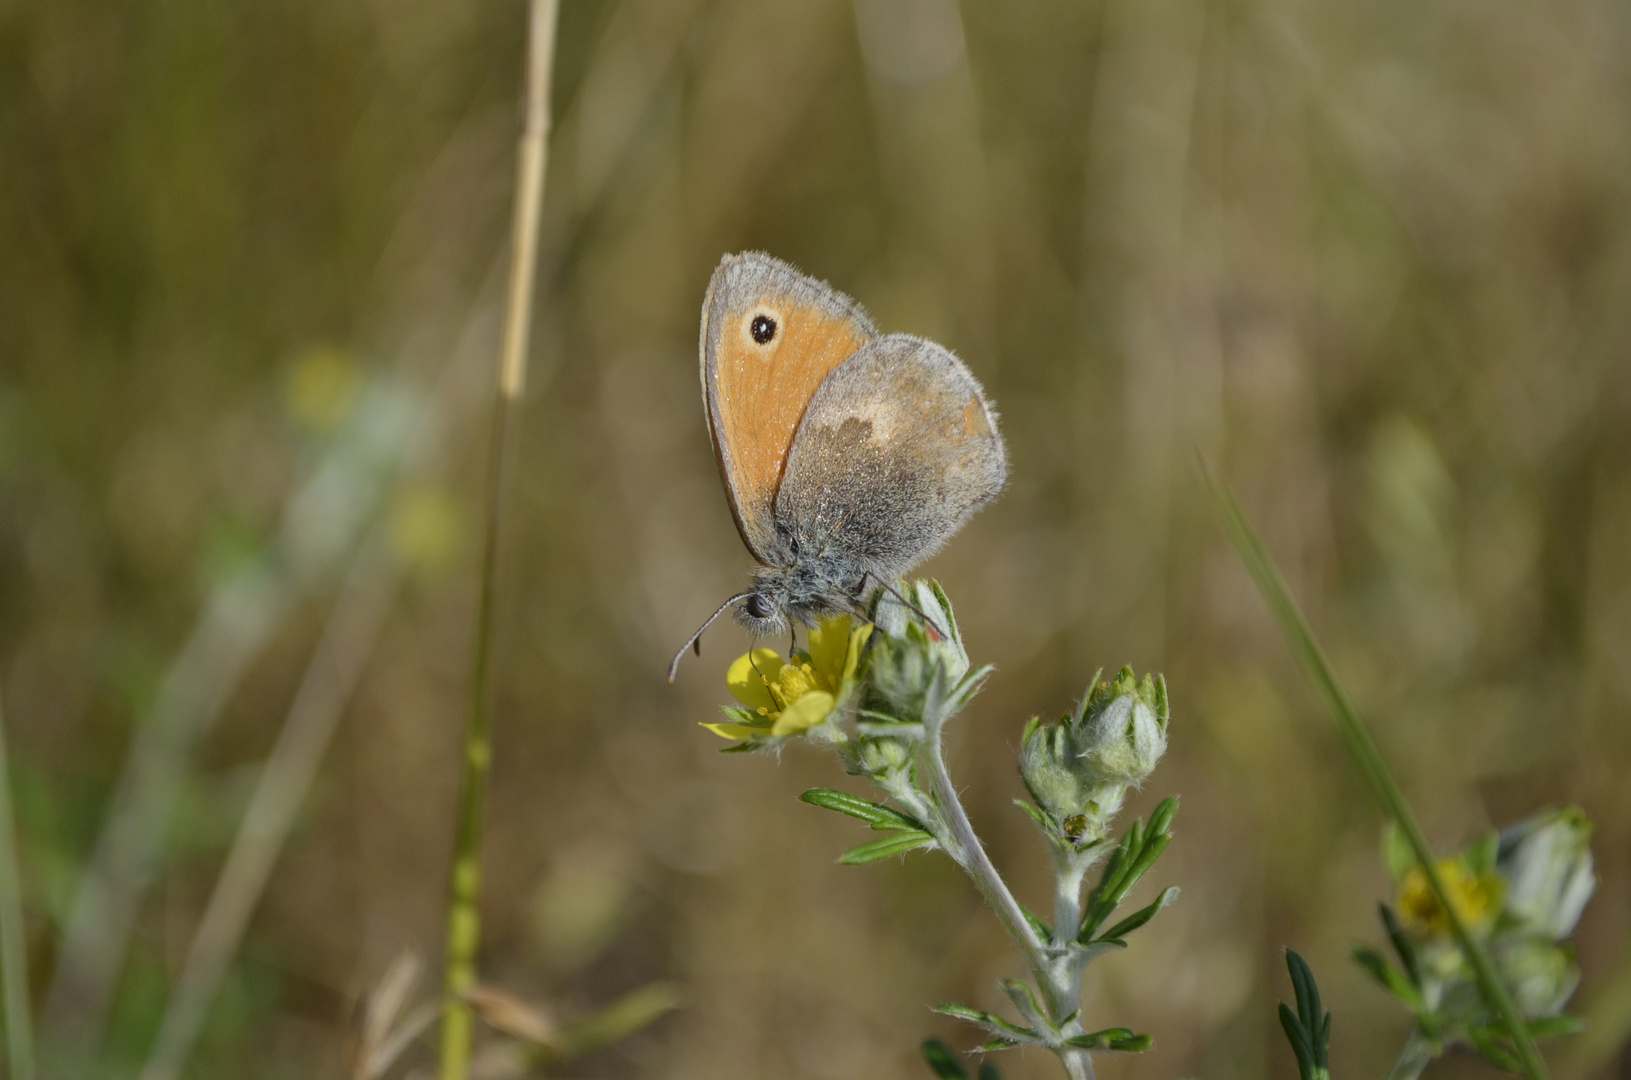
[802, 592]
[763, 612]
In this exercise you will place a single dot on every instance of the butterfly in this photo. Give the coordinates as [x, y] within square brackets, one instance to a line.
[848, 457]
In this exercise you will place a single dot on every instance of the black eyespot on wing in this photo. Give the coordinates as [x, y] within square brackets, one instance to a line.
[763, 328]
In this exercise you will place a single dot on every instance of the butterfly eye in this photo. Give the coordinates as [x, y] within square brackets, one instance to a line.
[763, 328]
[757, 605]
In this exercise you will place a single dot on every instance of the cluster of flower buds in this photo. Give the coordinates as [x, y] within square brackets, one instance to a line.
[1521, 893]
[1079, 769]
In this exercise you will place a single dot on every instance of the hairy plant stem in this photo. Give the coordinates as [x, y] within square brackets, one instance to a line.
[463, 917]
[1069, 869]
[1057, 978]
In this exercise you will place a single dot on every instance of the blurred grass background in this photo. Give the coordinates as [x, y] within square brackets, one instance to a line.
[1372, 258]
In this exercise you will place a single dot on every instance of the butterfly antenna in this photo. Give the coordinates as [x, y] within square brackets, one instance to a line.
[695, 640]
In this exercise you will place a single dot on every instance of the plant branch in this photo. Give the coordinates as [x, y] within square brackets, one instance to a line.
[463, 921]
[1061, 992]
[1364, 750]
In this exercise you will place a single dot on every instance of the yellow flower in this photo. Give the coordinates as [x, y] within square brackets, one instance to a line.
[783, 698]
[323, 387]
[1476, 897]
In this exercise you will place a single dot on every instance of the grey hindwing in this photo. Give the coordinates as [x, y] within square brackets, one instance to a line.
[895, 451]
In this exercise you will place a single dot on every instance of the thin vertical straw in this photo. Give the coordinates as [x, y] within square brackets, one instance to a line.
[290, 769]
[13, 955]
[1300, 637]
[463, 916]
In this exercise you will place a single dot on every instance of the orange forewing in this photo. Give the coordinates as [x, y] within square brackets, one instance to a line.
[758, 392]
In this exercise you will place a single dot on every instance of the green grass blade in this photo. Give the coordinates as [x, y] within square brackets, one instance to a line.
[13, 958]
[1357, 737]
[464, 884]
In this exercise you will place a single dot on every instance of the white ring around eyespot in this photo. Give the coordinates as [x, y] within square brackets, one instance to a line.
[775, 316]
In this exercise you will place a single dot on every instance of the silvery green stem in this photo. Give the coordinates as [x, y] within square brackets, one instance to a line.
[1069, 868]
[1060, 988]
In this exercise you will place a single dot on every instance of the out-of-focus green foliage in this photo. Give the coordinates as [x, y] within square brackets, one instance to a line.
[1372, 259]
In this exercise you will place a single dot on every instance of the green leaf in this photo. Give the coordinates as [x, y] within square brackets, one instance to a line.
[1300, 1042]
[880, 817]
[1118, 1038]
[1099, 902]
[943, 1060]
[1132, 859]
[1012, 1033]
[1035, 815]
[1152, 849]
[1024, 1000]
[970, 685]
[1141, 916]
[1042, 929]
[989, 1071]
[1392, 980]
[1481, 857]
[993, 1046]
[740, 714]
[1490, 1045]
[621, 1018]
[1396, 851]
[1550, 1027]
[945, 605]
[1309, 1028]
[962, 1012]
[1161, 819]
[1402, 945]
[900, 844]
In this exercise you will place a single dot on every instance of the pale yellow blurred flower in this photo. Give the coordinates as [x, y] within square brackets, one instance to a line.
[323, 388]
[425, 529]
[1476, 897]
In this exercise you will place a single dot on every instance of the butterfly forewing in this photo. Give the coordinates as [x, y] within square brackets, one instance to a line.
[770, 335]
[896, 449]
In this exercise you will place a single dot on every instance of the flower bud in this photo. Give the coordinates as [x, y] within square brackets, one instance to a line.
[926, 620]
[1082, 766]
[1546, 862]
[918, 649]
[882, 757]
[1540, 974]
[1125, 723]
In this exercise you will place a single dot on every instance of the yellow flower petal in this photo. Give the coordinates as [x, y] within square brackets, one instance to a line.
[747, 685]
[803, 714]
[1476, 898]
[733, 731]
[828, 644]
[852, 657]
